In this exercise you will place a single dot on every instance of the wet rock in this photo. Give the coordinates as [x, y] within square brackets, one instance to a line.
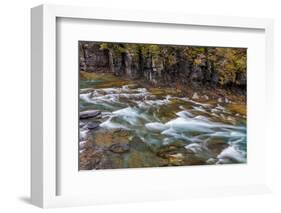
[179, 156]
[141, 155]
[176, 159]
[138, 159]
[137, 144]
[119, 148]
[92, 125]
[220, 100]
[170, 150]
[195, 96]
[165, 151]
[89, 114]
[206, 97]
[216, 145]
[106, 138]
[121, 132]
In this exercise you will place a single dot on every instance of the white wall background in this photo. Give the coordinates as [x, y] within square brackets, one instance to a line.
[15, 99]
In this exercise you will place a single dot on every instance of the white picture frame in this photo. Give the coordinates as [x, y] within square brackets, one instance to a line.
[44, 153]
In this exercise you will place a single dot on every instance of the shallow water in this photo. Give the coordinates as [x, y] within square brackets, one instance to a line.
[212, 132]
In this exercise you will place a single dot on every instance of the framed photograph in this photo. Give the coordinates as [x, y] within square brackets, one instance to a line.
[129, 106]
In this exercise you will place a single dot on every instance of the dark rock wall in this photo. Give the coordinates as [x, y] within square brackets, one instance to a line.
[92, 58]
[167, 65]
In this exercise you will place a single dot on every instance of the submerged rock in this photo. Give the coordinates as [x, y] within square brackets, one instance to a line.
[175, 154]
[89, 114]
[165, 151]
[138, 159]
[90, 159]
[216, 145]
[119, 148]
[115, 140]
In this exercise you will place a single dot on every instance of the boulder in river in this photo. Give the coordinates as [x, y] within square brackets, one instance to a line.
[92, 125]
[89, 114]
[195, 96]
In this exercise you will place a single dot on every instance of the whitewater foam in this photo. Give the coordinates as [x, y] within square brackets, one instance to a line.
[156, 126]
[232, 154]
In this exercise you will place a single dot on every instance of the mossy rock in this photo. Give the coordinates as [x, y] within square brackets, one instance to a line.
[238, 108]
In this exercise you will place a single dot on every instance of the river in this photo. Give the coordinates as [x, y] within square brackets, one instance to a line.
[172, 129]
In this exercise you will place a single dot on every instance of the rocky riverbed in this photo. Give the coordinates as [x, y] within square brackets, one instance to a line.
[126, 125]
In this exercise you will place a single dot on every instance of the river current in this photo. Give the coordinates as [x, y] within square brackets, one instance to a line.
[163, 119]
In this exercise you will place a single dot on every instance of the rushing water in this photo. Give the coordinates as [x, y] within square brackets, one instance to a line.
[160, 120]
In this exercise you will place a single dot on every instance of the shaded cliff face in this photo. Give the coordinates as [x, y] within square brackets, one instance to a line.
[167, 64]
[92, 58]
